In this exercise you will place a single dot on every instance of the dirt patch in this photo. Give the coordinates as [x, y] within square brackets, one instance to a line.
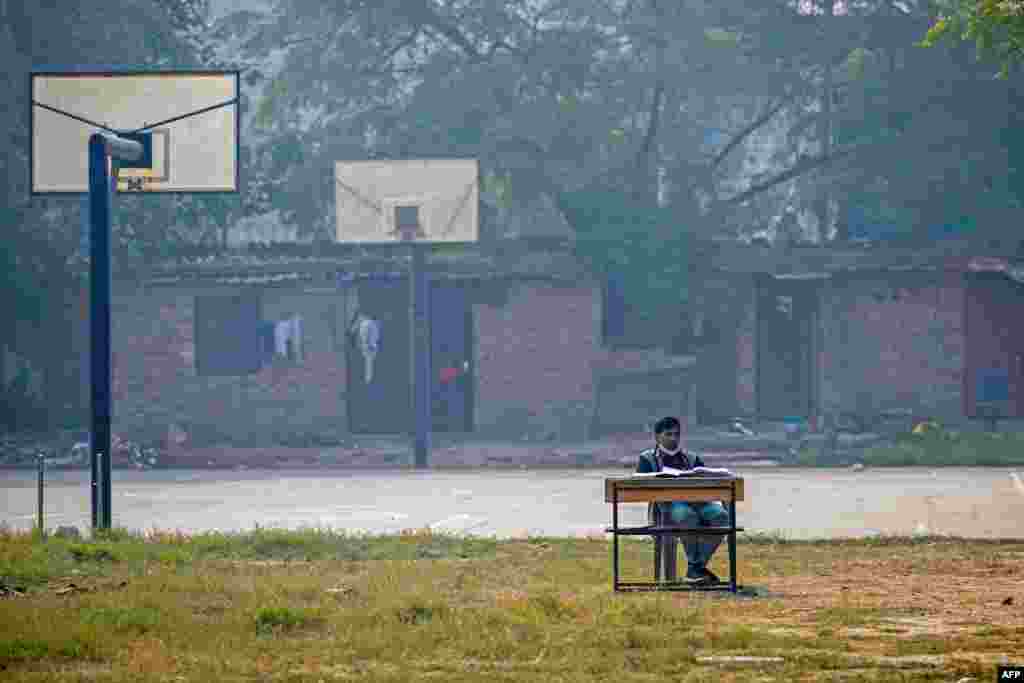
[889, 606]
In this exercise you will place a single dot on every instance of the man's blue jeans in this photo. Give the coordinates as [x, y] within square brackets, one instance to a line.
[699, 549]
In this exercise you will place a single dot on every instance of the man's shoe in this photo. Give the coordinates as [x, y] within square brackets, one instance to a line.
[697, 575]
[711, 576]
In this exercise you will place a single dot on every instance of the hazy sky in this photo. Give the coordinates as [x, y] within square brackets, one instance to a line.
[221, 7]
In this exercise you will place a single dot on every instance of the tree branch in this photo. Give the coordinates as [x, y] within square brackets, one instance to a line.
[802, 166]
[427, 16]
[402, 44]
[644, 153]
[306, 39]
[749, 130]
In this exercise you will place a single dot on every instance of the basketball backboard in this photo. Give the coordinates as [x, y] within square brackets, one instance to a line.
[192, 116]
[378, 199]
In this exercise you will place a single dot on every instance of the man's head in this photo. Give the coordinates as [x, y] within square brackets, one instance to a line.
[667, 433]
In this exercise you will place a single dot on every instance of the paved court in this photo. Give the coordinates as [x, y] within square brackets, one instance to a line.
[801, 503]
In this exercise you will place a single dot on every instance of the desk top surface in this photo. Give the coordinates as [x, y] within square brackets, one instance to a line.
[654, 489]
[664, 482]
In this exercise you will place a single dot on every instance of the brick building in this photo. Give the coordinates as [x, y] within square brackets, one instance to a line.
[518, 350]
[813, 332]
[522, 346]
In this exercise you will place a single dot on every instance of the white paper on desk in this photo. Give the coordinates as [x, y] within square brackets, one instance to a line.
[692, 472]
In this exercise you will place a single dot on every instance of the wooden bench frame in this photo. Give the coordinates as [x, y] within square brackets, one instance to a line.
[661, 490]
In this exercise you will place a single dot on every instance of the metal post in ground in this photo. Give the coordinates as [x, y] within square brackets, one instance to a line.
[99, 348]
[103, 149]
[41, 467]
[419, 358]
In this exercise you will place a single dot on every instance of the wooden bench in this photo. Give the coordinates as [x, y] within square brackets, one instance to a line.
[652, 490]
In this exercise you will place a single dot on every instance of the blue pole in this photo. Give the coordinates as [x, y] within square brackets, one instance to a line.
[99, 284]
[419, 334]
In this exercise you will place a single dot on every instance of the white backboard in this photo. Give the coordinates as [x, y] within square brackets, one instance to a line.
[194, 154]
[445, 191]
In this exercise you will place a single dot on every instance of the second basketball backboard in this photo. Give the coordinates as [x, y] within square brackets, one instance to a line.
[191, 118]
[438, 199]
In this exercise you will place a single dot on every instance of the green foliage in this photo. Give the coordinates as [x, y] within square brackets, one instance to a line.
[271, 619]
[616, 230]
[419, 612]
[646, 245]
[124, 619]
[933, 448]
[19, 265]
[42, 266]
[93, 552]
[25, 650]
[995, 26]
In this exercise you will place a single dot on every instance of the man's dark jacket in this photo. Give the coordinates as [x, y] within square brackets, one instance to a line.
[649, 463]
[681, 461]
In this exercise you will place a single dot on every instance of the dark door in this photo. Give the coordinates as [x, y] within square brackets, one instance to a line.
[785, 317]
[380, 405]
[451, 358]
[227, 337]
[994, 362]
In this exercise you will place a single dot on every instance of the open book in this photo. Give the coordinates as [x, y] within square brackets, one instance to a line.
[693, 472]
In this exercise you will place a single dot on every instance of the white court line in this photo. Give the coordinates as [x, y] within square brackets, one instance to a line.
[1017, 483]
[46, 516]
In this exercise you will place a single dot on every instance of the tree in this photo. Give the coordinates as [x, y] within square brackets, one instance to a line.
[935, 135]
[947, 144]
[603, 109]
[599, 108]
[923, 142]
[42, 265]
[995, 26]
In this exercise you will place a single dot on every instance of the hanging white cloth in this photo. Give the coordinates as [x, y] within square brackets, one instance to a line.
[288, 338]
[282, 334]
[367, 333]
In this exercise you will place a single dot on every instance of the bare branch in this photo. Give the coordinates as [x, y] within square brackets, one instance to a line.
[654, 117]
[305, 39]
[803, 165]
[423, 12]
[394, 71]
[402, 44]
[644, 153]
[749, 130]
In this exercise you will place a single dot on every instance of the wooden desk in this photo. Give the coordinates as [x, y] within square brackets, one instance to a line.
[666, 489]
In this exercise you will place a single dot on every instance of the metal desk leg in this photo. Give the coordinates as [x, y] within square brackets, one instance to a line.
[615, 537]
[654, 517]
[670, 553]
[657, 559]
[732, 541]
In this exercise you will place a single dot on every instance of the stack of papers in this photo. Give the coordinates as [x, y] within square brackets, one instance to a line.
[693, 472]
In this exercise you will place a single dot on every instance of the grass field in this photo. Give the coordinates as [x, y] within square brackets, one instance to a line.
[322, 606]
[932, 449]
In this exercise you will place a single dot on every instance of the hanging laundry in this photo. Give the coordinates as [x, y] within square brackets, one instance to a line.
[282, 335]
[367, 336]
[288, 338]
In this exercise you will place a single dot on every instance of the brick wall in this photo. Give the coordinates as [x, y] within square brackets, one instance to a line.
[894, 342]
[155, 383]
[534, 357]
[538, 360]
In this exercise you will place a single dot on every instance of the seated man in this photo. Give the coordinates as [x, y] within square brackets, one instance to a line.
[668, 453]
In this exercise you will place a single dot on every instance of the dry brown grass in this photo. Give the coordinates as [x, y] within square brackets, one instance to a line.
[535, 609]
